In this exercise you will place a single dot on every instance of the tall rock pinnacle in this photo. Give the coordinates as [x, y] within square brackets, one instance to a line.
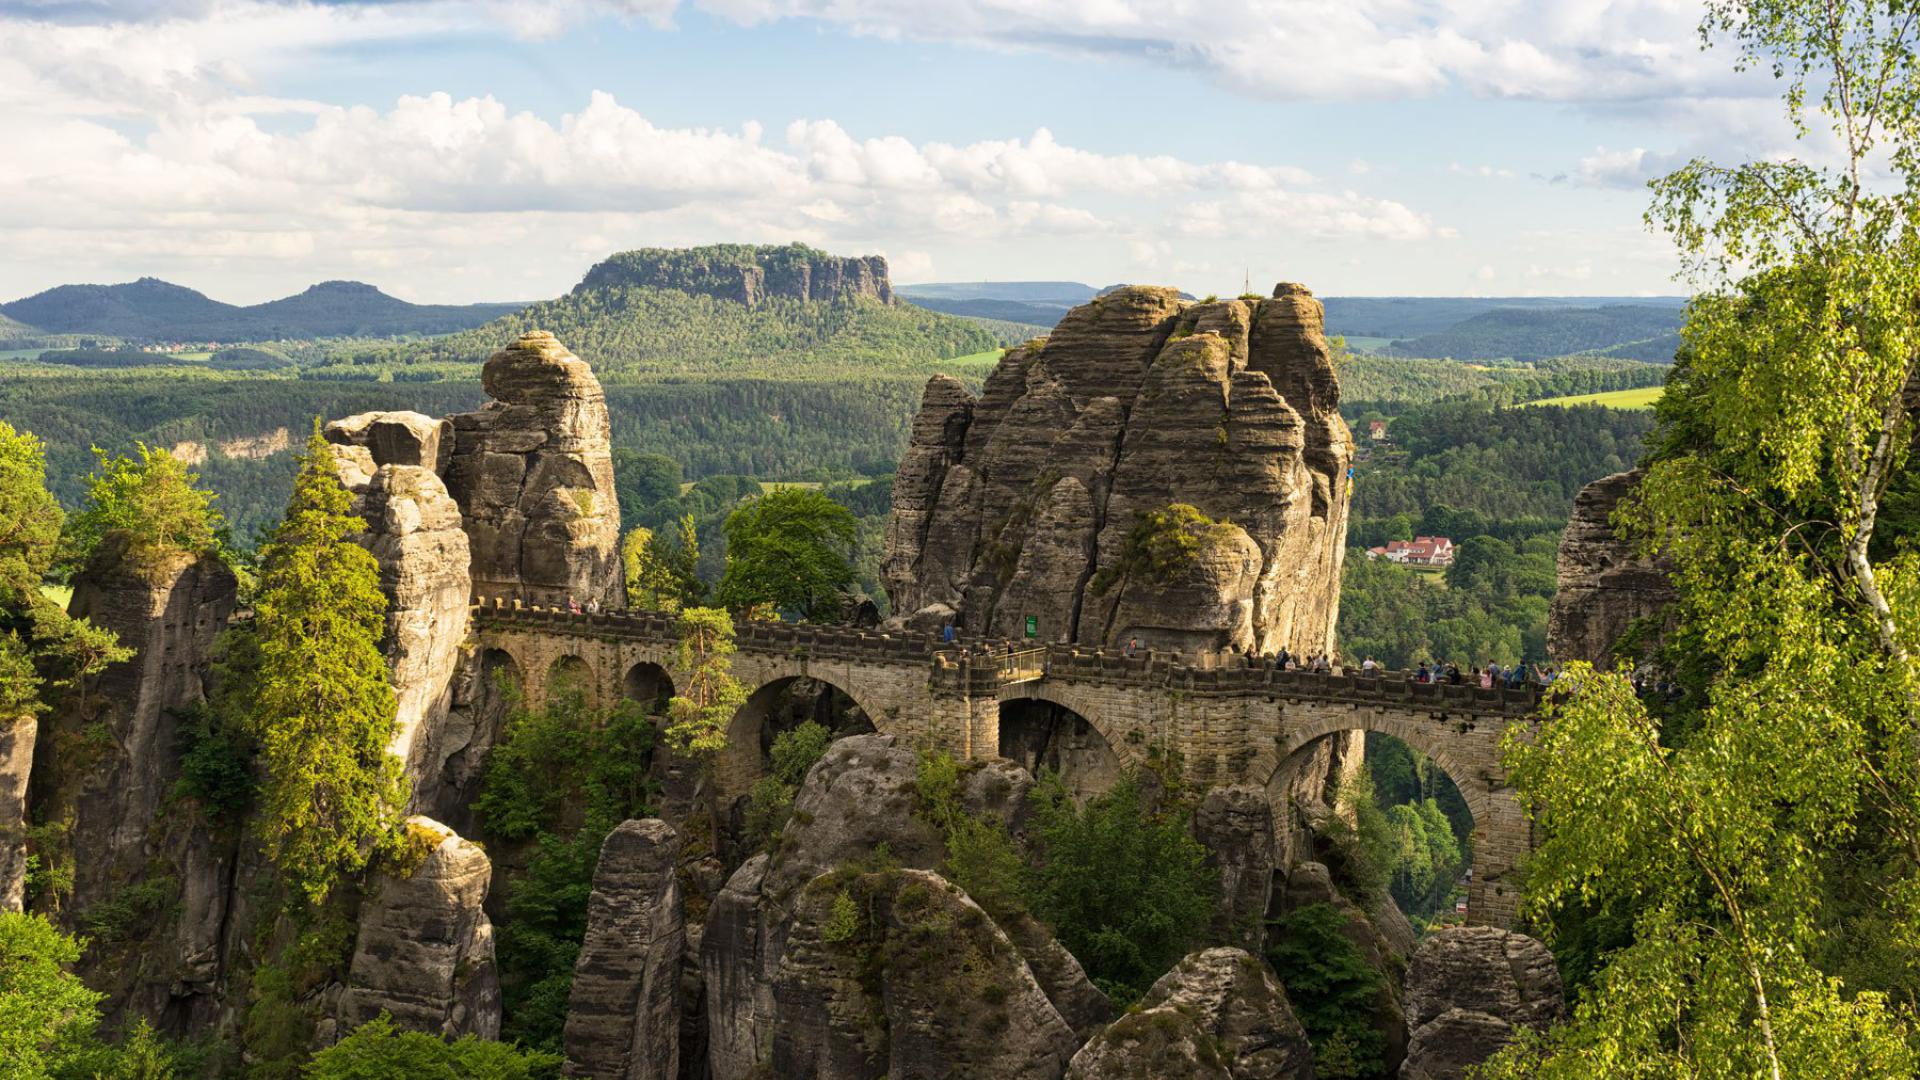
[1154, 469]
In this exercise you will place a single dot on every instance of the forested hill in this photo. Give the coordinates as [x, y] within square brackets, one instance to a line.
[155, 310]
[1629, 331]
[623, 329]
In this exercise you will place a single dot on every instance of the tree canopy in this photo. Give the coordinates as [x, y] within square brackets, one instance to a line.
[790, 549]
[323, 708]
[1750, 854]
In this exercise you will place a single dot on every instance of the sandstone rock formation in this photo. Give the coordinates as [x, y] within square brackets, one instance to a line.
[1468, 990]
[532, 472]
[746, 275]
[1603, 587]
[424, 954]
[169, 613]
[1235, 824]
[414, 531]
[17, 736]
[1031, 499]
[859, 797]
[899, 973]
[623, 1018]
[1219, 1013]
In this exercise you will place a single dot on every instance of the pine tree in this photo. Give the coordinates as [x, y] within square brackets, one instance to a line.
[323, 709]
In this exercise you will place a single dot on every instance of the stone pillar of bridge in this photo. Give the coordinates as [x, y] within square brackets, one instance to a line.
[1502, 838]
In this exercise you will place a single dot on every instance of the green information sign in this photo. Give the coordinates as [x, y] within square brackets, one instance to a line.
[1033, 626]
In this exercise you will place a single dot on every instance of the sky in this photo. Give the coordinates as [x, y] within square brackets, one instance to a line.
[452, 151]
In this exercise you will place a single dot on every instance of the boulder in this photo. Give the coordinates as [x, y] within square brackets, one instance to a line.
[623, 1018]
[532, 472]
[17, 735]
[900, 973]
[424, 953]
[1604, 588]
[1219, 1013]
[1469, 989]
[1021, 501]
[1235, 825]
[396, 438]
[414, 531]
[859, 798]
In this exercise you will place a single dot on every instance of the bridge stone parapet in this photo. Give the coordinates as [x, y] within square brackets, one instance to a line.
[1230, 720]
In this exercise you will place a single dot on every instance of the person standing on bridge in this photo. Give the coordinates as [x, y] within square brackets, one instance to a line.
[946, 632]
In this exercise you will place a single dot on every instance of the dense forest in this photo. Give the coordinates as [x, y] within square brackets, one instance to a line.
[624, 330]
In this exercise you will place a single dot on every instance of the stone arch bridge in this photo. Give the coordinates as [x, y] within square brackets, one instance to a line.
[1231, 724]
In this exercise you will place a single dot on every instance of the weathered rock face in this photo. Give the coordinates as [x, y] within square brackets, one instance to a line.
[532, 472]
[424, 953]
[169, 613]
[1468, 990]
[859, 796]
[414, 531]
[623, 1019]
[1235, 824]
[17, 735]
[1219, 1013]
[1025, 500]
[1603, 587]
[746, 275]
[901, 974]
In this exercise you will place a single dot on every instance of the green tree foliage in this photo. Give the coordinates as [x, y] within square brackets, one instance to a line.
[662, 574]
[697, 718]
[323, 709]
[1491, 606]
[49, 1020]
[644, 479]
[770, 802]
[41, 649]
[1761, 839]
[1333, 989]
[561, 779]
[151, 498]
[1390, 384]
[376, 1050]
[1427, 859]
[1125, 887]
[790, 549]
[1502, 463]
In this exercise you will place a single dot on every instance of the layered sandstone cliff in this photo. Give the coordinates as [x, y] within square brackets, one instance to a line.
[746, 275]
[1605, 589]
[1155, 468]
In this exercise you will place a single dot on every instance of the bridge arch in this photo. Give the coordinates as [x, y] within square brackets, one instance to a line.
[1469, 757]
[1054, 726]
[649, 683]
[571, 672]
[760, 718]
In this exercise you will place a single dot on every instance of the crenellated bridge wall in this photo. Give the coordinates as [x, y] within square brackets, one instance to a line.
[1233, 724]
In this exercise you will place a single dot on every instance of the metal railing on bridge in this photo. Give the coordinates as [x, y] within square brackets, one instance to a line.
[1025, 665]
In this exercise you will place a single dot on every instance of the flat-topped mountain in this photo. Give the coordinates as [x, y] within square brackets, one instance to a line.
[746, 273]
[729, 308]
[153, 309]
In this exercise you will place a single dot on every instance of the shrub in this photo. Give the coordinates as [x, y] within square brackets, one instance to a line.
[1332, 988]
[377, 1051]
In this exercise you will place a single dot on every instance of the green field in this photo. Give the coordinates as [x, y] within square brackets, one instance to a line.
[1642, 398]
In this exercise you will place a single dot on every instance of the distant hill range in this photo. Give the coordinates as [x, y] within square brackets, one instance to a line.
[729, 309]
[1628, 331]
[1460, 327]
[1035, 303]
[153, 310]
